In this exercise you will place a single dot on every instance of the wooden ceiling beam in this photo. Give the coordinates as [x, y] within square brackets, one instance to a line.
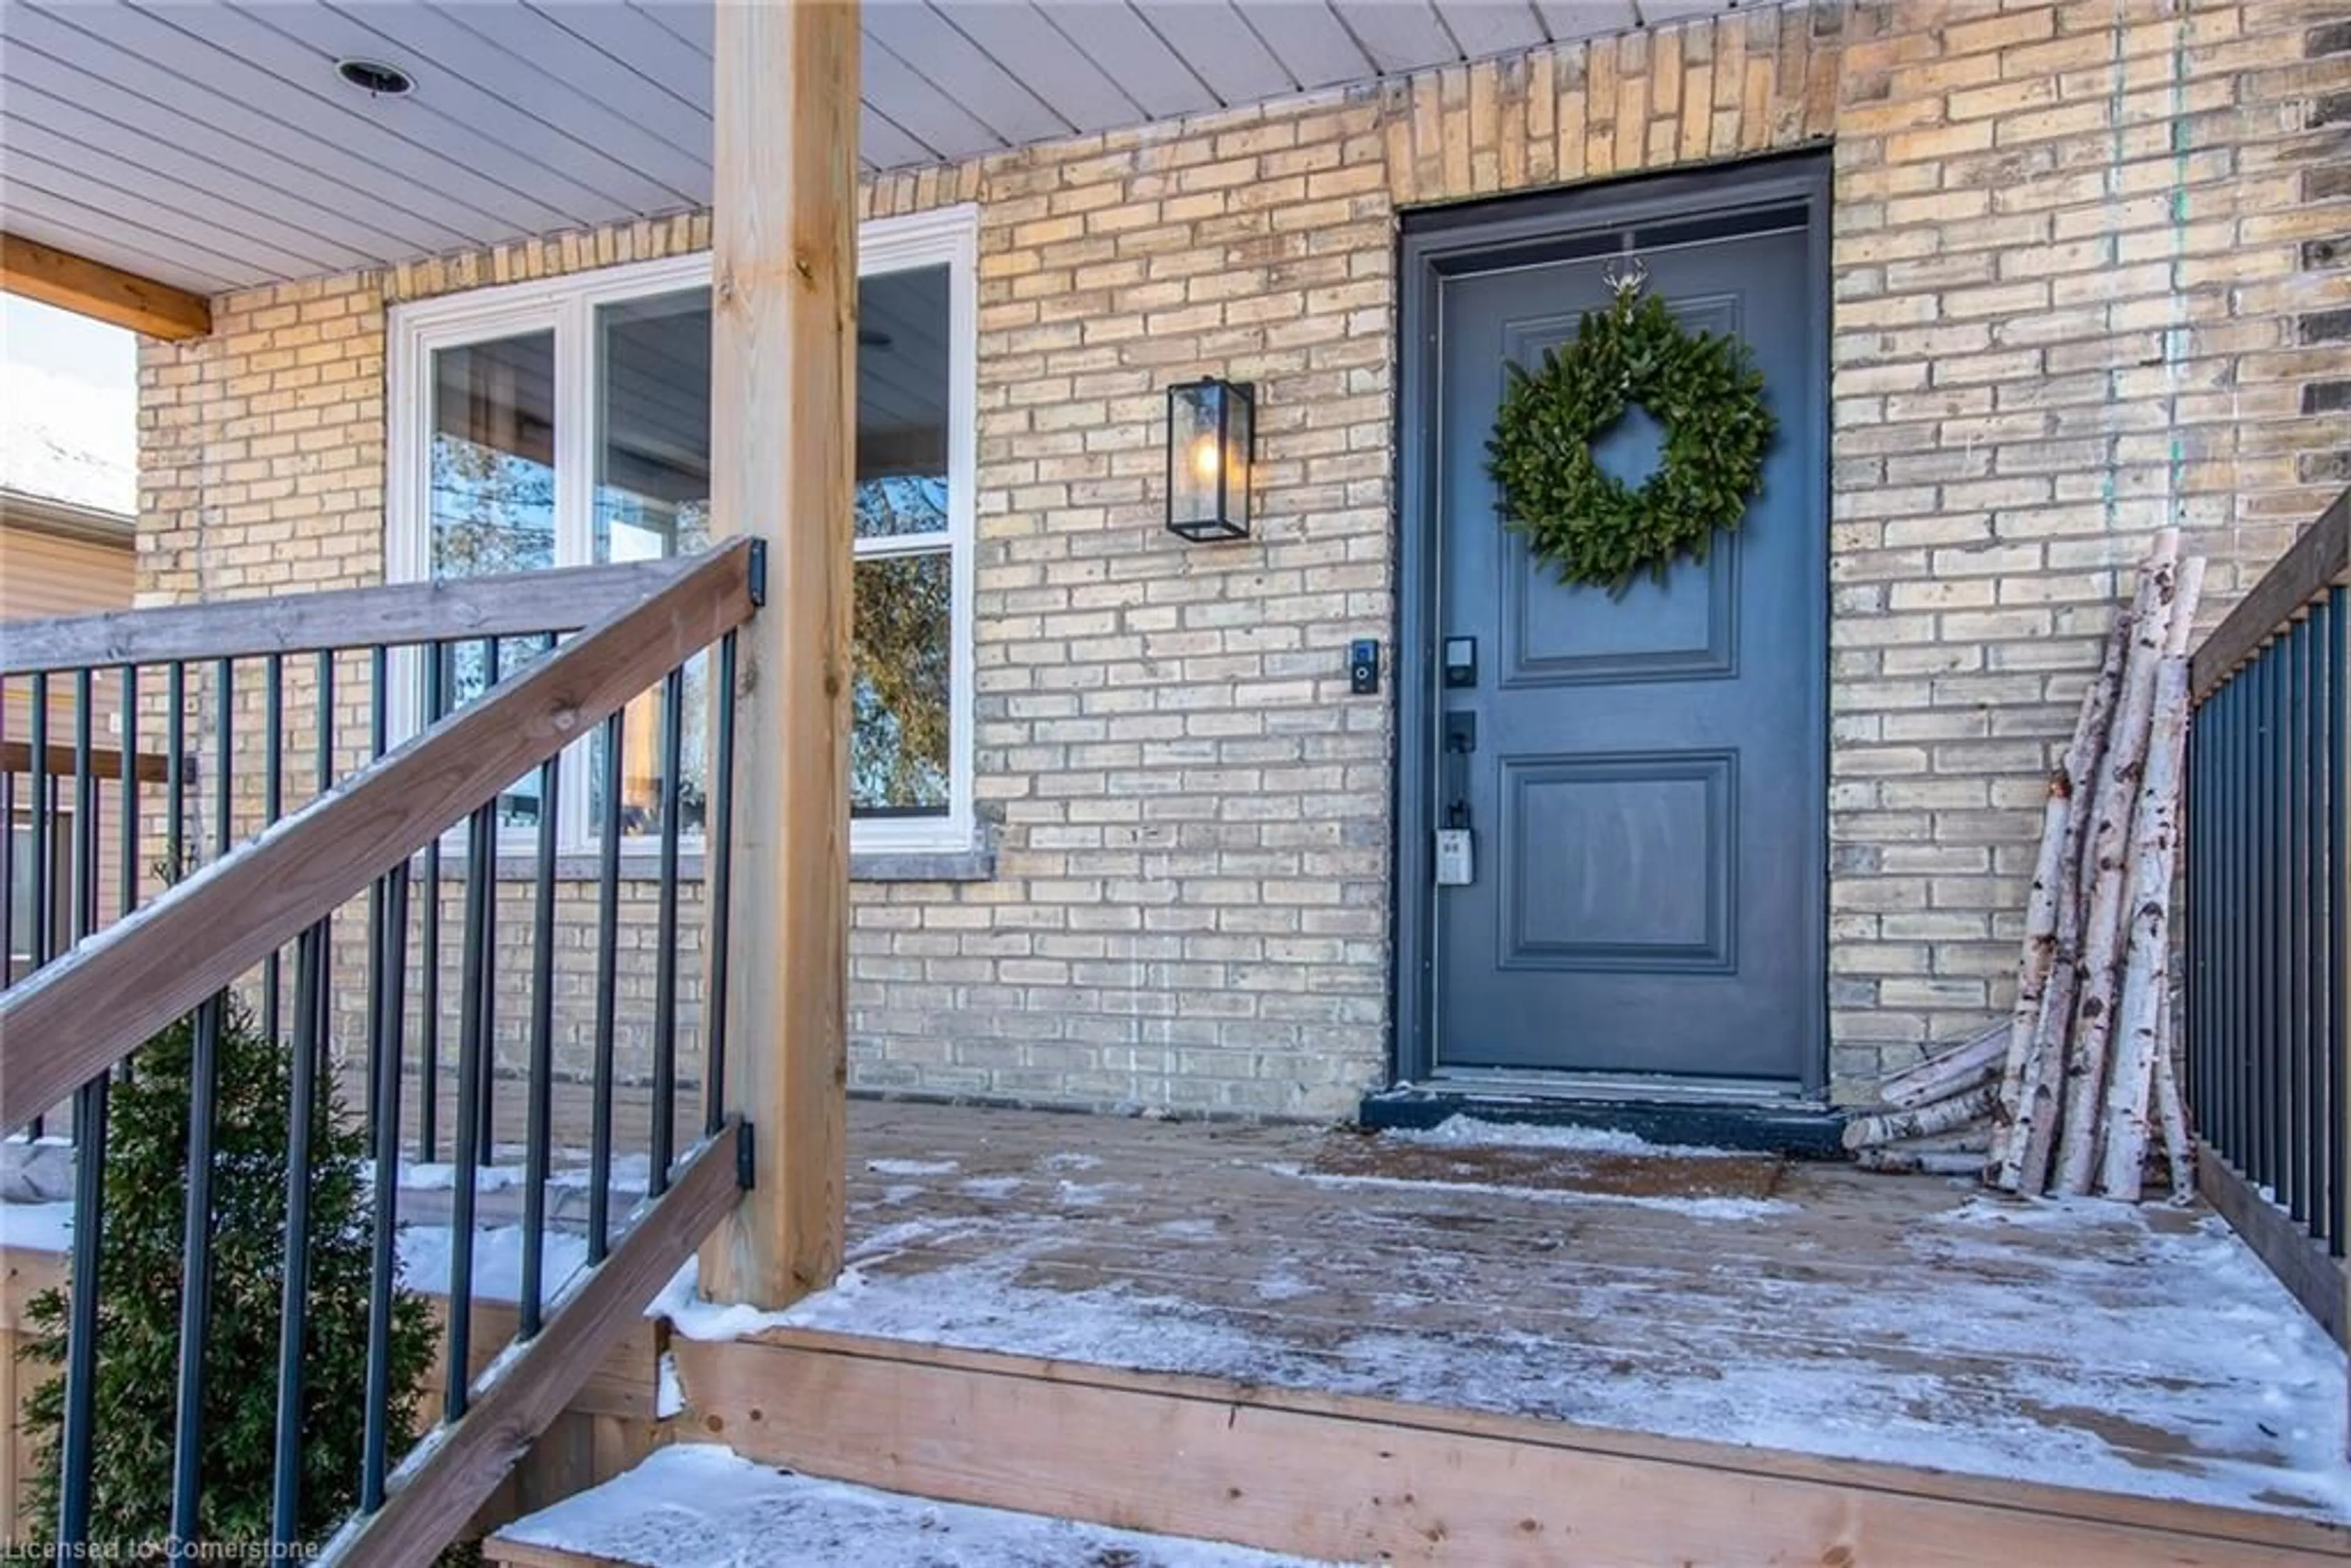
[92, 288]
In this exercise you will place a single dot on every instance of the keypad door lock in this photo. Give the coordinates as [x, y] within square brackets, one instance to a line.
[1457, 845]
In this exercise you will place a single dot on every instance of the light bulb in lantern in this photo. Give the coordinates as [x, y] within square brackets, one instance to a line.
[1206, 458]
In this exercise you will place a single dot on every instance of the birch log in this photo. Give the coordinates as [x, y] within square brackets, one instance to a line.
[2060, 840]
[1919, 1162]
[2155, 860]
[1947, 1072]
[2178, 1151]
[1921, 1121]
[2033, 1141]
[2102, 924]
[2146, 966]
[2022, 1164]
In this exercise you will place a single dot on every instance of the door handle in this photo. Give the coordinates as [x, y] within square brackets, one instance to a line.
[1460, 741]
[1456, 845]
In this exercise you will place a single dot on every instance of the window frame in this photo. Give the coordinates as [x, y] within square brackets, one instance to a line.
[566, 306]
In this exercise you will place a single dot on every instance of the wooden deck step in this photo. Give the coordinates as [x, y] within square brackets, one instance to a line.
[1345, 1478]
[697, 1505]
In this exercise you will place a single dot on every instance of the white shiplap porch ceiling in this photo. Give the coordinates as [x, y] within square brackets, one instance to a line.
[210, 144]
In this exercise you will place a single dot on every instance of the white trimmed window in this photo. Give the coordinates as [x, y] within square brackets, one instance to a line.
[566, 422]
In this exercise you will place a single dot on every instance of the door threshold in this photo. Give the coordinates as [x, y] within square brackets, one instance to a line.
[1658, 1113]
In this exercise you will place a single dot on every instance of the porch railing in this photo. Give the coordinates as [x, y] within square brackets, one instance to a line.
[196, 918]
[2269, 887]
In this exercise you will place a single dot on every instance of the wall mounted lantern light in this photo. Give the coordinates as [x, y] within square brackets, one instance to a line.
[1210, 427]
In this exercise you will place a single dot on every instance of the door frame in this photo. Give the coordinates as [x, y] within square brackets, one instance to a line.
[1439, 244]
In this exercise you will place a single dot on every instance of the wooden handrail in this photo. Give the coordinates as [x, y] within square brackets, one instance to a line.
[510, 604]
[431, 1503]
[105, 761]
[76, 1017]
[2316, 561]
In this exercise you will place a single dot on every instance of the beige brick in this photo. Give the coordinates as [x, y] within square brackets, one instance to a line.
[1182, 916]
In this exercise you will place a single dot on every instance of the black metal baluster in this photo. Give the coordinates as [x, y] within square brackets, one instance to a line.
[294, 1302]
[2274, 918]
[2225, 1099]
[41, 849]
[196, 1271]
[718, 845]
[539, 1108]
[2249, 739]
[377, 672]
[2203, 911]
[473, 1023]
[224, 756]
[428, 1098]
[2293, 936]
[273, 806]
[8, 976]
[665, 1129]
[384, 1265]
[127, 777]
[2197, 979]
[608, 937]
[76, 1443]
[175, 772]
[323, 761]
[486, 1144]
[2259, 1148]
[77, 1447]
[83, 900]
[2335, 879]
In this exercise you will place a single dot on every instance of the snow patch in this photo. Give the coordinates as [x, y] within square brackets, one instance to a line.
[669, 1396]
[1727, 1208]
[425, 1256]
[1469, 1132]
[442, 1176]
[690, 1314]
[695, 1505]
[912, 1167]
[990, 1186]
[36, 1227]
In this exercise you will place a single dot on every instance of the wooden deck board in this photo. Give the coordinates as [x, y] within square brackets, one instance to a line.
[1903, 1319]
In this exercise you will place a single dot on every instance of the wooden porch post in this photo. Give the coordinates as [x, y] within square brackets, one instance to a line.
[783, 363]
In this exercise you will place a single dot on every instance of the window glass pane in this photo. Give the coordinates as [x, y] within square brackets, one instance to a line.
[899, 751]
[652, 500]
[465, 669]
[901, 404]
[493, 495]
[493, 457]
[652, 444]
[641, 761]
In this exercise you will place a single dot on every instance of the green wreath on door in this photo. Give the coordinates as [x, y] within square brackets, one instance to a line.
[1703, 388]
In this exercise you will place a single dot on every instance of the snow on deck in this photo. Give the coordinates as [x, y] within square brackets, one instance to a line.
[699, 1506]
[2138, 1351]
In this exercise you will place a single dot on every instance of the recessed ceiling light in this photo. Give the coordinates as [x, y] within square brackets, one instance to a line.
[375, 78]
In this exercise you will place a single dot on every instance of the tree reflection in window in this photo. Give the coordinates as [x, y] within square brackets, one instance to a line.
[492, 500]
[899, 698]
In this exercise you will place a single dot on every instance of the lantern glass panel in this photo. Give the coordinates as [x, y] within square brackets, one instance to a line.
[1208, 460]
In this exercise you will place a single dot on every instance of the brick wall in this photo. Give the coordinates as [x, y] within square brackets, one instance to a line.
[2091, 265]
